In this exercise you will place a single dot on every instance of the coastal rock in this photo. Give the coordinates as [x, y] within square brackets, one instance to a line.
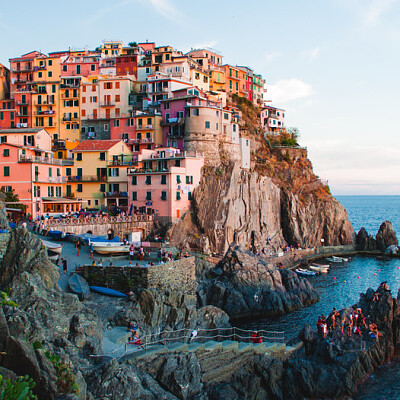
[249, 286]
[365, 242]
[386, 236]
[232, 205]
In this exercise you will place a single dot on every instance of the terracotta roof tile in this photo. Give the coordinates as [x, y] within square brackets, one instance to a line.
[94, 145]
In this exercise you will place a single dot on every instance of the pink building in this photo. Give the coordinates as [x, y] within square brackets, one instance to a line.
[80, 65]
[164, 181]
[28, 167]
[272, 119]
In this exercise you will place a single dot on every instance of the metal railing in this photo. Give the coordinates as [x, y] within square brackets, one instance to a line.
[44, 160]
[97, 220]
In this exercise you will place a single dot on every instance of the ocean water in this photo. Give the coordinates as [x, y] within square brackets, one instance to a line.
[342, 286]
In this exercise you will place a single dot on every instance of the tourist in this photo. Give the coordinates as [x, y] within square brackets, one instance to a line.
[134, 339]
[131, 251]
[93, 263]
[91, 250]
[256, 338]
[130, 264]
[193, 335]
[343, 325]
[78, 247]
[100, 263]
[159, 255]
[376, 296]
[111, 264]
[65, 266]
[137, 264]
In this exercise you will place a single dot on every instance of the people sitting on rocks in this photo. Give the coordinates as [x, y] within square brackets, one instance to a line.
[384, 286]
[193, 335]
[376, 296]
[134, 339]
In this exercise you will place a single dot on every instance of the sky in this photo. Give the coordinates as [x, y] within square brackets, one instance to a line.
[333, 65]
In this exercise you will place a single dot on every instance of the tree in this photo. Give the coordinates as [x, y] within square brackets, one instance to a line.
[132, 44]
[12, 199]
[294, 133]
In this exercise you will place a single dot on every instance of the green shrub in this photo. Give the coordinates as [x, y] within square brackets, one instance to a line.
[65, 378]
[6, 301]
[37, 345]
[20, 389]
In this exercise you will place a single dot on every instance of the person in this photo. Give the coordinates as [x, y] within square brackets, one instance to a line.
[100, 263]
[159, 255]
[256, 338]
[91, 250]
[193, 335]
[58, 261]
[134, 339]
[65, 266]
[376, 296]
[111, 264]
[131, 251]
[137, 264]
[343, 324]
[78, 247]
[132, 327]
[94, 263]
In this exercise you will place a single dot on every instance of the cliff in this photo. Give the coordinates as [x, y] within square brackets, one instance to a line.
[233, 205]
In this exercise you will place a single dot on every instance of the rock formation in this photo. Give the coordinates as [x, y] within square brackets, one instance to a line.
[384, 239]
[233, 205]
[244, 285]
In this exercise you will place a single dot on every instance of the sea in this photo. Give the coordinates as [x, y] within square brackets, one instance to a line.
[342, 286]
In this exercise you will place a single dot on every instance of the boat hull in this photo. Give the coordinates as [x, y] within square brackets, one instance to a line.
[54, 247]
[106, 249]
[107, 291]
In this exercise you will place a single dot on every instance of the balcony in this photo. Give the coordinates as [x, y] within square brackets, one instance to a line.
[44, 103]
[44, 160]
[123, 163]
[115, 194]
[173, 121]
[107, 104]
[19, 114]
[47, 112]
[70, 119]
[22, 103]
[22, 69]
[87, 178]
[142, 140]
[69, 85]
[50, 179]
[70, 96]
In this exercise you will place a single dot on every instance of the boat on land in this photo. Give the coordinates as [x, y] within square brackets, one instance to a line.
[53, 257]
[54, 247]
[110, 248]
[304, 272]
[78, 285]
[57, 235]
[107, 291]
[335, 259]
[320, 268]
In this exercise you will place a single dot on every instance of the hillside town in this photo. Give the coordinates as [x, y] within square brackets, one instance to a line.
[122, 128]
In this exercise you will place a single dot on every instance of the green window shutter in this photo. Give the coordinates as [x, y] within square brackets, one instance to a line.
[163, 179]
[134, 196]
[6, 171]
[178, 195]
[134, 180]
[178, 179]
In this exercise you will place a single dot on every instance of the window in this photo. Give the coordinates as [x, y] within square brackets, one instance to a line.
[148, 180]
[196, 111]
[79, 187]
[58, 172]
[49, 172]
[166, 105]
[93, 67]
[178, 179]
[113, 172]
[207, 124]
[106, 127]
[78, 156]
[226, 116]
[96, 202]
[234, 128]
[79, 171]
[134, 196]
[163, 179]
[88, 202]
[68, 171]
[102, 156]
[108, 85]
[6, 171]
[102, 187]
[117, 98]
[148, 195]
[64, 68]
[40, 74]
[78, 69]
[163, 195]
[36, 191]
[134, 180]
[49, 74]
[116, 85]
[6, 153]
[178, 195]
[50, 62]
[190, 197]
[189, 180]
[116, 122]
[50, 191]
[216, 126]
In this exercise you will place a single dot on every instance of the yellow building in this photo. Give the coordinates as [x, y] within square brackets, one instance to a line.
[45, 94]
[148, 131]
[111, 48]
[91, 171]
[200, 79]
[217, 80]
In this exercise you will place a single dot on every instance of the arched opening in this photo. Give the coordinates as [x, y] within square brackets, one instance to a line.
[90, 232]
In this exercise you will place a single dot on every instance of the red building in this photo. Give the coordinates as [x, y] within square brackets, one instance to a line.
[7, 114]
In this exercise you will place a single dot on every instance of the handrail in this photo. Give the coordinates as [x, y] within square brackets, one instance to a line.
[97, 220]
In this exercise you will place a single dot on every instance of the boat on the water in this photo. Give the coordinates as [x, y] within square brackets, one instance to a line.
[320, 268]
[54, 247]
[110, 247]
[335, 259]
[107, 291]
[304, 272]
[78, 285]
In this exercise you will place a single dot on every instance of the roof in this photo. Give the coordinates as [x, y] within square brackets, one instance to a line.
[21, 130]
[96, 145]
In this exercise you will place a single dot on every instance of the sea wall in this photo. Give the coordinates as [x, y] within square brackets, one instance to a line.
[175, 275]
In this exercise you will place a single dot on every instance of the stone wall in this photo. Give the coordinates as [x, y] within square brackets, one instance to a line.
[4, 239]
[176, 275]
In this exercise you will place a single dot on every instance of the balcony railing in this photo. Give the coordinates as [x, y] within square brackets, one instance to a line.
[47, 112]
[107, 104]
[19, 114]
[50, 179]
[44, 160]
[69, 86]
[70, 96]
[115, 194]
[22, 103]
[24, 69]
[70, 119]
[142, 140]
[87, 178]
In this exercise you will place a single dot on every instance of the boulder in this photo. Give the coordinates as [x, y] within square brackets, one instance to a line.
[365, 242]
[386, 236]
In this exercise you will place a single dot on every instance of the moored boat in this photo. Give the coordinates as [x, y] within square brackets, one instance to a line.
[107, 291]
[54, 247]
[335, 259]
[304, 272]
[110, 248]
[320, 268]
[78, 285]
[57, 235]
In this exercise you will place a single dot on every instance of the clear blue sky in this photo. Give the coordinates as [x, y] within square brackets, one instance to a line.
[333, 64]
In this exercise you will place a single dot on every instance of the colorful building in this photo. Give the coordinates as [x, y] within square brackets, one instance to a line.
[92, 161]
[272, 119]
[8, 114]
[163, 182]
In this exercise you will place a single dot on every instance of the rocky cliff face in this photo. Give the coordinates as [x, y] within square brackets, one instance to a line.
[233, 205]
[384, 241]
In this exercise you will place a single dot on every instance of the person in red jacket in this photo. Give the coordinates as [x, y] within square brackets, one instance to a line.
[256, 338]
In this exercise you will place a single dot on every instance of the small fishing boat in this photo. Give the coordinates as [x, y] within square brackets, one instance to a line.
[320, 268]
[78, 285]
[335, 259]
[53, 257]
[304, 272]
[110, 248]
[107, 291]
[57, 235]
[54, 247]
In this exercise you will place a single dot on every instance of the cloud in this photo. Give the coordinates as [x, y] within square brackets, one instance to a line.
[311, 54]
[166, 9]
[288, 90]
[376, 9]
[203, 45]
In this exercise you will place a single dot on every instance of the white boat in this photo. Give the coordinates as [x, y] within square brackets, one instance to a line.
[337, 259]
[53, 258]
[320, 268]
[54, 247]
[304, 272]
[110, 248]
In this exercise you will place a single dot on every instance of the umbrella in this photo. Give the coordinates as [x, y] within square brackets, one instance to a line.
[131, 209]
